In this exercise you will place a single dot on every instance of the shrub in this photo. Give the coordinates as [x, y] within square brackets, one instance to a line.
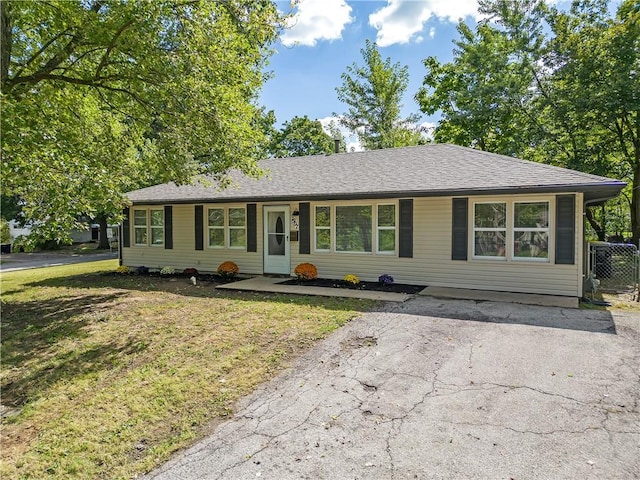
[306, 271]
[351, 280]
[227, 270]
[167, 271]
[385, 279]
[190, 272]
[22, 243]
[5, 231]
[123, 270]
[142, 270]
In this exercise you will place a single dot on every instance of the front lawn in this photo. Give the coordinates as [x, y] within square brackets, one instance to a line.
[105, 376]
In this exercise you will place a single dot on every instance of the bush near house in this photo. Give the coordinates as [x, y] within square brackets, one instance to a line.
[306, 271]
[228, 270]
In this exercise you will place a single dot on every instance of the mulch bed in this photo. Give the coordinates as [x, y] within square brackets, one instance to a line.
[373, 286]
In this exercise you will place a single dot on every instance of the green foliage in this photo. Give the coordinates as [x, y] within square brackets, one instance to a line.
[5, 232]
[102, 97]
[544, 85]
[301, 136]
[374, 93]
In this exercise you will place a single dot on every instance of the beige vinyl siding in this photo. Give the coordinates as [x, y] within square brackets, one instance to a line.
[185, 255]
[432, 265]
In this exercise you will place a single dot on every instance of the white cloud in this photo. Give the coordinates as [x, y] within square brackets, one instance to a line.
[317, 20]
[353, 144]
[400, 20]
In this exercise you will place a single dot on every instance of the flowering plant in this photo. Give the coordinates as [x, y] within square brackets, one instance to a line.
[385, 279]
[306, 271]
[142, 270]
[228, 270]
[123, 270]
[167, 271]
[190, 272]
[351, 280]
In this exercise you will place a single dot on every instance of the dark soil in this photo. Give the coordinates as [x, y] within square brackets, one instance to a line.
[373, 286]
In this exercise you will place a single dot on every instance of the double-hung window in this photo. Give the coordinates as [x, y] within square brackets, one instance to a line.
[148, 226]
[227, 227]
[157, 226]
[386, 228]
[490, 230]
[140, 227]
[323, 229]
[531, 230]
[215, 225]
[237, 228]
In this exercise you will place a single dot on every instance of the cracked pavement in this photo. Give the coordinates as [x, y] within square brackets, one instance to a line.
[435, 388]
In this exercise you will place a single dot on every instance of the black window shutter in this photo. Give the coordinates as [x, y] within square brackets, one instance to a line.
[252, 228]
[460, 225]
[305, 228]
[168, 227]
[565, 229]
[126, 228]
[405, 234]
[199, 220]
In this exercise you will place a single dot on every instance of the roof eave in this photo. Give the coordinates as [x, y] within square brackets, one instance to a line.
[591, 191]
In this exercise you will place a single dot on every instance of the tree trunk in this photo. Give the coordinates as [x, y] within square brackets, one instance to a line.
[103, 239]
[600, 231]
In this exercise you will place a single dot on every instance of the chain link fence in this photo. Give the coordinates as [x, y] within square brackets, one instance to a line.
[615, 265]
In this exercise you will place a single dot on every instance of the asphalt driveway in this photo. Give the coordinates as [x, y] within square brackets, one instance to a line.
[443, 389]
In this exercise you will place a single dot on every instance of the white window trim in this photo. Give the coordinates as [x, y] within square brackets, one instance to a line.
[223, 228]
[475, 229]
[152, 227]
[140, 227]
[515, 229]
[394, 228]
[330, 228]
[510, 230]
[147, 227]
[235, 227]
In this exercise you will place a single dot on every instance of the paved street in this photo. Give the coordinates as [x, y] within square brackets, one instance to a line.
[435, 388]
[23, 261]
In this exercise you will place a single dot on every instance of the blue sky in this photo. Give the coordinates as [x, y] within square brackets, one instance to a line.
[326, 36]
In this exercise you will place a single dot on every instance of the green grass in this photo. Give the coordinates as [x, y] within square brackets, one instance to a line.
[107, 375]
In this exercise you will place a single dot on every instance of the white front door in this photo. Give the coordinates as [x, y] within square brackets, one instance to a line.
[276, 240]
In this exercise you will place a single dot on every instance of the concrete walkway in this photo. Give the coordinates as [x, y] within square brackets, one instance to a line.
[274, 285]
[493, 296]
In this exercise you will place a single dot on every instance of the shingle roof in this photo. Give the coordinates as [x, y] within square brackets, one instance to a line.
[427, 170]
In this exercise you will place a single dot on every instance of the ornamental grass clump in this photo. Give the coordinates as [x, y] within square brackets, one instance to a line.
[306, 271]
[351, 280]
[228, 270]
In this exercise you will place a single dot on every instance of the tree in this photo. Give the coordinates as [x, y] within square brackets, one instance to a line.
[102, 97]
[568, 97]
[595, 60]
[374, 93]
[301, 136]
